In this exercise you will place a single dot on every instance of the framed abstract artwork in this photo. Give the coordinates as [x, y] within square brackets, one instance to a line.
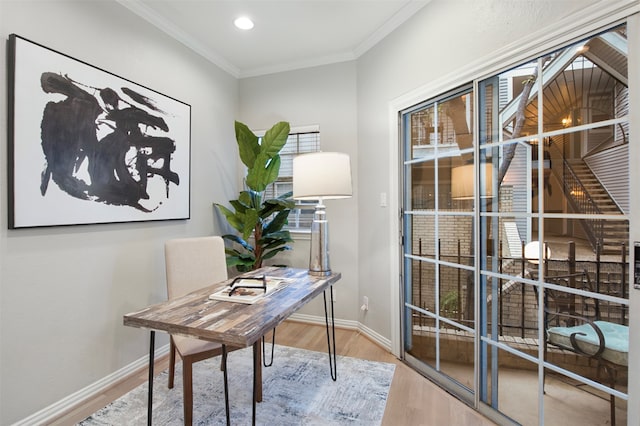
[87, 146]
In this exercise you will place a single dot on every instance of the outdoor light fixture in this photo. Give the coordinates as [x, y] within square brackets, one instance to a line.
[320, 176]
[532, 252]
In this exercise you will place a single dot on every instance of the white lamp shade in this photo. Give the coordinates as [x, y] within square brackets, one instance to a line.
[321, 175]
[462, 181]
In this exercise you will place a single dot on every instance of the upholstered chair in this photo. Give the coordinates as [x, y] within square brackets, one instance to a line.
[192, 263]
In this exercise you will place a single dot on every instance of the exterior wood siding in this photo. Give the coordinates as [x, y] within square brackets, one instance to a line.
[611, 167]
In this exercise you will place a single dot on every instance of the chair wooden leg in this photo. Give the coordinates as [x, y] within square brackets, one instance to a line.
[172, 362]
[187, 391]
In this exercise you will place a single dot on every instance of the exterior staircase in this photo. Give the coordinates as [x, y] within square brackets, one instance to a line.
[614, 233]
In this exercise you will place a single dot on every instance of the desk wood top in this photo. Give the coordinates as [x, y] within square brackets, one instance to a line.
[232, 323]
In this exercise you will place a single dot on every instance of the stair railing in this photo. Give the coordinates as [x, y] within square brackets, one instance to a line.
[577, 194]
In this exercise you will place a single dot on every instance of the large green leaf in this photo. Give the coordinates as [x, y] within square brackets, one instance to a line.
[280, 246]
[234, 219]
[236, 239]
[272, 170]
[270, 209]
[245, 198]
[248, 145]
[242, 262]
[254, 174]
[250, 219]
[271, 253]
[286, 197]
[274, 205]
[264, 172]
[275, 138]
[282, 235]
[256, 199]
[277, 222]
[239, 206]
[248, 267]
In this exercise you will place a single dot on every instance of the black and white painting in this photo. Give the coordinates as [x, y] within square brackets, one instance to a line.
[88, 147]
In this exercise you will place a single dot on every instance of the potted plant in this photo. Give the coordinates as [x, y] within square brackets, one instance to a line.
[259, 222]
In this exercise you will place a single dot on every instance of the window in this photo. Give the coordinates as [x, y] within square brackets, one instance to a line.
[300, 141]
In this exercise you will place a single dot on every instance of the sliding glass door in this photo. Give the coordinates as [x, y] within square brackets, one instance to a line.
[516, 234]
[439, 238]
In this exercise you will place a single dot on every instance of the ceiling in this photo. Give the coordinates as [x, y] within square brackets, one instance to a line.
[288, 34]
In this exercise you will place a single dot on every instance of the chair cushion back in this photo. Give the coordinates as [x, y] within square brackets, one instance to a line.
[193, 263]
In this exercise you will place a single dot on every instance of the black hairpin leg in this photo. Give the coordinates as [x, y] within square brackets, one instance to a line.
[152, 351]
[333, 366]
[256, 365]
[226, 383]
[273, 345]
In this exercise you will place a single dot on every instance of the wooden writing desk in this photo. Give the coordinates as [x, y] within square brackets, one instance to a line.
[235, 324]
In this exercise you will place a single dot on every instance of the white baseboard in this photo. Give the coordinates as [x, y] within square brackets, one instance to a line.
[351, 325]
[319, 320]
[50, 413]
[376, 337]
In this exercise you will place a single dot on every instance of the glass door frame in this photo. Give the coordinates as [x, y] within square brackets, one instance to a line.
[474, 398]
[433, 373]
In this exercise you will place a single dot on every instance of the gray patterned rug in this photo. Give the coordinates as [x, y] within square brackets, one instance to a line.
[297, 390]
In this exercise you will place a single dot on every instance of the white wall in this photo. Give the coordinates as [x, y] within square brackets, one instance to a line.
[324, 96]
[63, 291]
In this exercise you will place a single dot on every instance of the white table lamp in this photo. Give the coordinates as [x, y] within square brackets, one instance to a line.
[462, 181]
[320, 176]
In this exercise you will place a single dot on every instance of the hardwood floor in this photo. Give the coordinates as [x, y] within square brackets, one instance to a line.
[412, 400]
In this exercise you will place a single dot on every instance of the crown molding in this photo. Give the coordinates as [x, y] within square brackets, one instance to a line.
[389, 26]
[406, 12]
[140, 9]
[292, 66]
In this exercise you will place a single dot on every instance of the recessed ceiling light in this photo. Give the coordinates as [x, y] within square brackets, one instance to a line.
[243, 23]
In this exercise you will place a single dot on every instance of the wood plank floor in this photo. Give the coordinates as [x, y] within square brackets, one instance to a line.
[413, 400]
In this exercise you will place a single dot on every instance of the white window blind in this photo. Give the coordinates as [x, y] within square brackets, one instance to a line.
[301, 142]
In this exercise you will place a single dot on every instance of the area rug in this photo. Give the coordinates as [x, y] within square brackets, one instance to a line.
[297, 390]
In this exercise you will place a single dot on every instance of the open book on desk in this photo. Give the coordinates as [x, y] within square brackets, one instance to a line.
[249, 290]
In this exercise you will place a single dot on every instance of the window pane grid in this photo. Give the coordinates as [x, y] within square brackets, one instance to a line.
[553, 135]
[300, 217]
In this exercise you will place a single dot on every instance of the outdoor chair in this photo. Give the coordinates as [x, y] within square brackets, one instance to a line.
[574, 323]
